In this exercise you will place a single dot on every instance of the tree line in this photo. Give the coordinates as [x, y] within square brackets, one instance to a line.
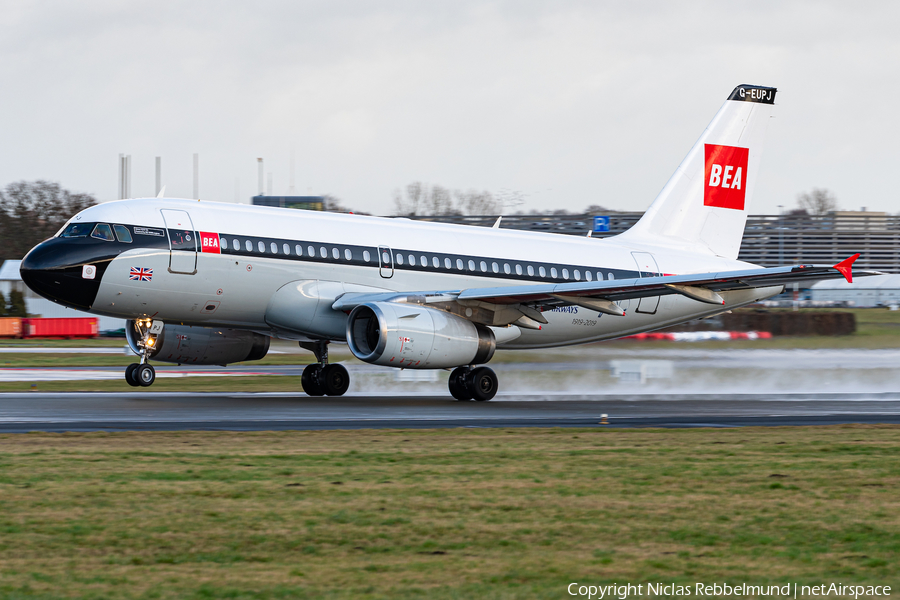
[32, 211]
[15, 307]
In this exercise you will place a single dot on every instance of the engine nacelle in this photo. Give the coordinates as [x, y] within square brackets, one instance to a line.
[415, 337]
[202, 345]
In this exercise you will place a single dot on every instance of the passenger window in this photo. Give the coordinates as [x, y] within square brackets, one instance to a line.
[224, 243]
[335, 254]
[77, 230]
[611, 276]
[447, 264]
[565, 273]
[311, 251]
[577, 275]
[122, 234]
[436, 262]
[298, 249]
[347, 254]
[236, 244]
[587, 275]
[273, 247]
[599, 276]
[495, 267]
[542, 271]
[262, 246]
[553, 272]
[103, 232]
[412, 260]
[386, 259]
[483, 266]
[459, 264]
[530, 271]
[399, 259]
[506, 268]
[366, 255]
[423, 261]
[518, 269]
[471, 265]
[323, 252]
[286, 248]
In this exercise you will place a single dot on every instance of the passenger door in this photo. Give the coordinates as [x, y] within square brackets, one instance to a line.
[647, 267]
[182, 241]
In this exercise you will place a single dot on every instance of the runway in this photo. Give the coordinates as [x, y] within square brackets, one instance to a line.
[169, 411]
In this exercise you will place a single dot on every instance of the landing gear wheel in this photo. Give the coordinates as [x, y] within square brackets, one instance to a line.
[335, 379]
[129, 375]
[482, 383]
[311, 380]
[457, 384]
[145, 375]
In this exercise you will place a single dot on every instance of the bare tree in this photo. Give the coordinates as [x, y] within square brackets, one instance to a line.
[473, 202]
[335, 204]
[32, 211]
[817, 202]
[422, 199]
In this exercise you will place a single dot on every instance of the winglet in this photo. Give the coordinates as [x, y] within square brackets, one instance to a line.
[846, 267]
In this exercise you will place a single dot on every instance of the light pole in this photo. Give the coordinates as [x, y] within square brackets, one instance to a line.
[780, 235]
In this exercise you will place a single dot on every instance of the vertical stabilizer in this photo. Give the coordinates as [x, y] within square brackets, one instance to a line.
[704, 205]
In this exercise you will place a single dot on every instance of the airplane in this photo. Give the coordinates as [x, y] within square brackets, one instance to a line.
[211, 283]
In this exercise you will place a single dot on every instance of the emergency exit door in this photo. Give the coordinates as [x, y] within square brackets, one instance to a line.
[385, 262]
[182, 241]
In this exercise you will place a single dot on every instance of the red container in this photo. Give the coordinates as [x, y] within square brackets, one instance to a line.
[60, 328]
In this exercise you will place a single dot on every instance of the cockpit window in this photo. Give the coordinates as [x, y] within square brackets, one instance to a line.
[103, 232]
[76, 230]
[122, 233]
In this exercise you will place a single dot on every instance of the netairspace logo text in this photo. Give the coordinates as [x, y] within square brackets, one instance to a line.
[718, 590]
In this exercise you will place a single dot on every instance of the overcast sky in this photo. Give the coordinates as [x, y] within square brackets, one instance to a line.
[567, 103]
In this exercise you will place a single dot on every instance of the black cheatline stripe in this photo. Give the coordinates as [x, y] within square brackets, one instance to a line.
[358, 260]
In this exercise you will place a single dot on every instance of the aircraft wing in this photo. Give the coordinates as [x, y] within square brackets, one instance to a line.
[602, 295]
[700, 286]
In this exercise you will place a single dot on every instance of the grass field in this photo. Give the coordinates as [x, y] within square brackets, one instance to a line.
[443, 514]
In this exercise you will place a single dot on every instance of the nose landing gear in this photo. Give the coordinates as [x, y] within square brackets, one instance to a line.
[143, 374]
[321, 378]
[478, 384]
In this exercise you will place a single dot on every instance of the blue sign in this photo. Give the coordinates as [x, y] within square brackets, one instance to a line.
[601, 224]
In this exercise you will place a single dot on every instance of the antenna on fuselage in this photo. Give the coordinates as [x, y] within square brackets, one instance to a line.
[162, 192]
[496, 224]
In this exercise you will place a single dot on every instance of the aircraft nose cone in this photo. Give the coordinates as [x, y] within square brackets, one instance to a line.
[55, 269]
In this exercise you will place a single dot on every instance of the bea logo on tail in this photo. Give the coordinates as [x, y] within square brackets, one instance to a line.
[726, 176]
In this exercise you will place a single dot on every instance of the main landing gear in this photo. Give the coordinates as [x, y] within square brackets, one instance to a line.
[321, 378]
[478, 384]
[143, 374]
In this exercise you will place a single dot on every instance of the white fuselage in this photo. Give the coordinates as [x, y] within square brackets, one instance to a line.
[231, 285]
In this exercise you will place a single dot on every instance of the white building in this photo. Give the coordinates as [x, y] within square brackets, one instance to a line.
[864, 292]
[41, 307]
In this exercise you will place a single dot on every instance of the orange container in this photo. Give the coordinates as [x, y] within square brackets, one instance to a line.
[61, 328]
[10, 327]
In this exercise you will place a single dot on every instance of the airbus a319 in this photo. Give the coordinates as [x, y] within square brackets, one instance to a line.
[212, 283]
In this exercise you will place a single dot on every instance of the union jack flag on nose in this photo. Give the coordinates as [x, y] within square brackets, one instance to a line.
[140, 274]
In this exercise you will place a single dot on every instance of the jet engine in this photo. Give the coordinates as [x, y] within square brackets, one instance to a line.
[201, 345]
[415, 337]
